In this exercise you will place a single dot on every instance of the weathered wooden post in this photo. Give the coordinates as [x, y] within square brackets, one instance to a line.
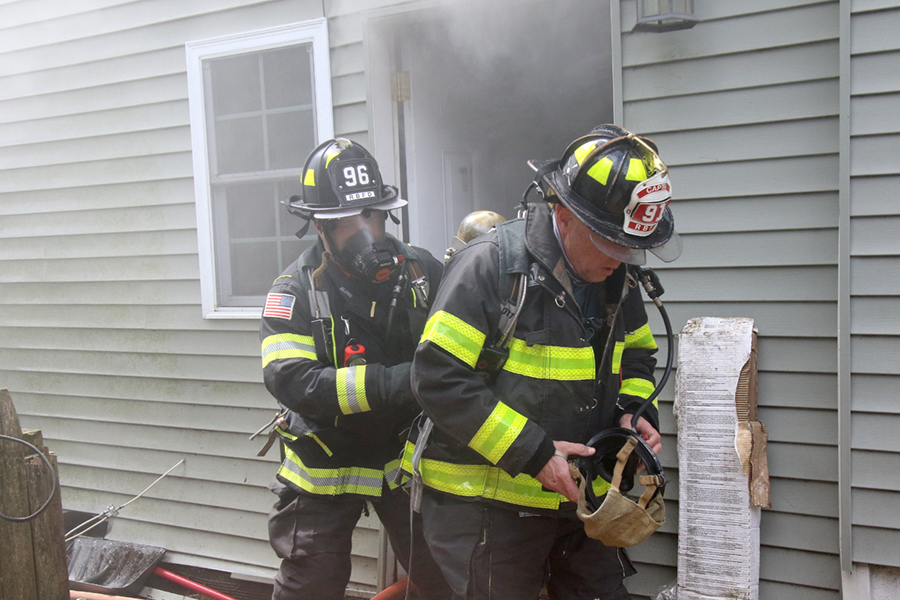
[32, 553]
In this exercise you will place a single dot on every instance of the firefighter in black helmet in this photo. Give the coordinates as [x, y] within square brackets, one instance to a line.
[338, 332]
[499, 499]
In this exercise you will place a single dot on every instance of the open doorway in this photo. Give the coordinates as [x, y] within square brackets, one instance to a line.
[490, 85]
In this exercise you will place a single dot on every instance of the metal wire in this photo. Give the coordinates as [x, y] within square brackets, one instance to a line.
[52, 478]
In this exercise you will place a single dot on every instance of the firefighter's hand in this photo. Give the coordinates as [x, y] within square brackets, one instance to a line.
[650, 435]
[556, 475]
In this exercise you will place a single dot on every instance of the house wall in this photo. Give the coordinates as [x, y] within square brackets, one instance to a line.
[102, 342]
[745, 107]
[874, 256]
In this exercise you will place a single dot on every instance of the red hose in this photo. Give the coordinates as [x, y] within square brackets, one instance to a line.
[192, 585]
[395, 591]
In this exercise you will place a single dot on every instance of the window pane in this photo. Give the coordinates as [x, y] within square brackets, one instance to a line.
[239, 145]
[254, 266]
[251, 210]
[288, 76]
[291, 138]
[235, 84]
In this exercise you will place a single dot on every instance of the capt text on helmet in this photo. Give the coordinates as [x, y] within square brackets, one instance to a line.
[498, 505]
[338, 332]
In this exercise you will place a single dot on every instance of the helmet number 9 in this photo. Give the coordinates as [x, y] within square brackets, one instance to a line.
[650, 211]
[357, 175]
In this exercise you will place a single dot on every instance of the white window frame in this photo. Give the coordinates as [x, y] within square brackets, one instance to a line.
[314, 31]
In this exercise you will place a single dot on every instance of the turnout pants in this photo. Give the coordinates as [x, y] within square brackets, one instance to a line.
[488, 552]
[313, 537]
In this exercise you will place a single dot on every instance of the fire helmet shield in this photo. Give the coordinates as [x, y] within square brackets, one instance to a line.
[615, 182]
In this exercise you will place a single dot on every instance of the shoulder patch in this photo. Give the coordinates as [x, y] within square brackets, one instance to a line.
[280, 306]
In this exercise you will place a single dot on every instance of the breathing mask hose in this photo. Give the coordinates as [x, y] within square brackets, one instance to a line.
[398, 291]
[654, 289]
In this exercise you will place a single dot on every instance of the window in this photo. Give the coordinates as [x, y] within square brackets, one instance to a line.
[259, 102]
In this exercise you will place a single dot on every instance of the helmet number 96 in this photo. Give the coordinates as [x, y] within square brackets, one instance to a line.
[357, 175]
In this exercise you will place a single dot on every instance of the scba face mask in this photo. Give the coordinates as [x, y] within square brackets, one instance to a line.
[620, 521]
[365, 251]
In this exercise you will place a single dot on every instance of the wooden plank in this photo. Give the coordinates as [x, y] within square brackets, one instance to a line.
[52, 578]
[250, 394]
[146, 65]
[783, 319]
[797, 356]
[875, 470]
[782, 177]
[16, 14]
[151, 230]
[875, 355]
[149, 317]
[867, 277]
[803, 497]
[876, 508]
[164, 293]
[875, 236]
[761, 249]
[812, 569]
[732, 35]
[772, 66]
[875, 316]
[125, 145]
[874, 115]
[876, 393]
[867, 155]
[873, 431]
[206, 343]
[874, 31]
[873, 195]
[774, 589]
[753, 213]
[129, 194]
[782, 424]
[136, 92]
[349, 89]
[746, 286]
[172, 366]
[141, 268]
[876, 545]
[875, 73]
[348, 59]
[806, 100]
[108, 122]
[350, 118]
[710, 145]
[803, 461]
[798, 532]
[17, 575]
[137, 168]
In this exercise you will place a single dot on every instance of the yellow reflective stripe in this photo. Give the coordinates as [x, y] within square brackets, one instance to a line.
[636, 170]
[285, 434]
[341, 480]
[582, 151]
[351, 390]
[455, 336]
[637, 387]
[601, 169]
[320, 443]
[310, 178]
[642, 338]
[617, 357]
[331, 155]
[391, 471]
[498, 432]
[550, 362]
[483, 481]
[288, 345]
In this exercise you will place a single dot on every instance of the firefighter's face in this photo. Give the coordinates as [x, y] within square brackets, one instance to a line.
[589, 261]
[369, 223]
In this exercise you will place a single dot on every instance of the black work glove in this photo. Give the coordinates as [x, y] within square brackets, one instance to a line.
[399, 388]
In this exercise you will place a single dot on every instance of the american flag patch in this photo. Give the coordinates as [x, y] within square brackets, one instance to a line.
[279, 305]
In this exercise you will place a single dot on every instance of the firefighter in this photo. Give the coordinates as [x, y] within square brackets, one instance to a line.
[472, 225]
[499, 500]
[338, 332]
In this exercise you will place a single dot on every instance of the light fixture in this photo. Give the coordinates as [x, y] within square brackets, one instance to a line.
[665, 15]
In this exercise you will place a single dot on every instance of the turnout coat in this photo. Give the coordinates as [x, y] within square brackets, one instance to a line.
[574, 368]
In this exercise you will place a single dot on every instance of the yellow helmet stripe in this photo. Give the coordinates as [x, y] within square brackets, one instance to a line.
[582, 151]
[636, 170]
[310, 178]
[601, 169]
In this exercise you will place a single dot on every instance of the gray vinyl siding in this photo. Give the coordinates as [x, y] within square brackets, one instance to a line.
[874, 288]
[744, 108]
[102, 341]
